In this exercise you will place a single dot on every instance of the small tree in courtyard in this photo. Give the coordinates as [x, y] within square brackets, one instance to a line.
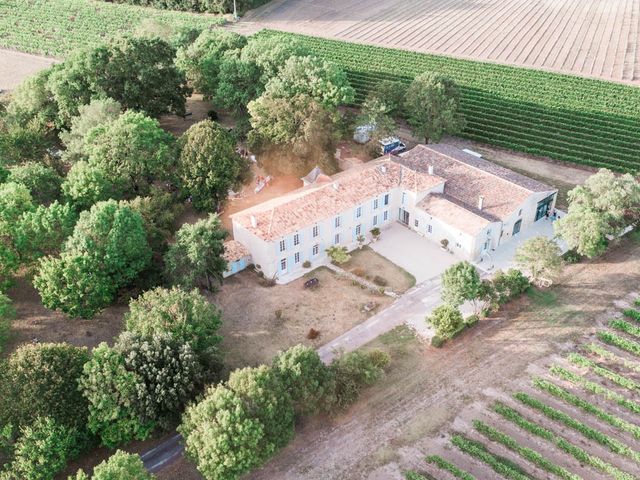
[432, 107]
[446, 320]
[541, 257]
[338, 254]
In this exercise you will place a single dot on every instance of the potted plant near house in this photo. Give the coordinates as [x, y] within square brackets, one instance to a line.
[444, 244]
[361, 239]
[375, 233]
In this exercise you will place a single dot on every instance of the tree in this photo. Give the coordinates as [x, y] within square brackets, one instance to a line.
[110, 390]
[185, 315]
[40, 380]
[432, 106]
[107, 250]
[604, 206]
[338, 254]
[308, 381]
[119, 466]
[133, 148]
[391, 94]
[541, 257]
[353, 371]
[201, 60]
[167, 373]
[74, 284]
[460, 283]
[7, 314]
[43, 231]
[32, 103]
[269, 54]
[322, 81]
[447, 321]
[221, 436]
[86, 185]
[198, 252]
[43, 182]
[299, 122]
[268, 401]
[15, 200]
[375, 113]
[138, 73]
[96, 113]
[208, 166]
[238, 83]
[42, 450]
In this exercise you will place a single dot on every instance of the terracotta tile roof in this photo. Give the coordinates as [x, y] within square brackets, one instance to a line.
[454, 214]
[307, 205]
[468, 177]
[234, 250]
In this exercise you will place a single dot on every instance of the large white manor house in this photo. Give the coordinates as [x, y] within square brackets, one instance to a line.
[436, 190]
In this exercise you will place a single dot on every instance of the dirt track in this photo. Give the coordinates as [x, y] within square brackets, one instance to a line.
[427, 387]
[598, 38]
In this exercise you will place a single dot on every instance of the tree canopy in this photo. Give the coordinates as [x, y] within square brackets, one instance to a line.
[432, 106]
[119, 466]
[42, 181]
[460, 283]
[208, 166]
[541, 258]
[197, 254]
[446, 320]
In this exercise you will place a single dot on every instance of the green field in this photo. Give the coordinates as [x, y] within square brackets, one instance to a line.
[565, 117]
[56, 27]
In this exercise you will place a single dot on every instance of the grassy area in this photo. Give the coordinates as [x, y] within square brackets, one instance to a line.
[372, 266]
[57, 27]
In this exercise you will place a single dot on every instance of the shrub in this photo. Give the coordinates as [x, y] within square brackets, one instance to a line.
[471, 320]
[306, 264]
[508, 285]
[437, 341]
[381, 282]
[446, 320]
[7, 313]
[42, 450]
[338, 254]
[355, 370]
[375, 231]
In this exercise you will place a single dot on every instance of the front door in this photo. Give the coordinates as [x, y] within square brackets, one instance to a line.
[516, 227]
[403, 216]
[543, 207]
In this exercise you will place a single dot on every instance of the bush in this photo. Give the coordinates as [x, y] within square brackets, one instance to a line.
[338, 254]
[42, 450]
[355, 370]
[437, 341]
[306, 264]
[381, 282]
[446, 321]
[571, 256]
[7, 313]
[509, 285]
[471, 320]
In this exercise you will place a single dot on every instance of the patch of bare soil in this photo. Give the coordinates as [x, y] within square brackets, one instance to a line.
[197, 110]
[36, 323]
[259, 321]
[425, 387]
[370, 265]
[16, 66]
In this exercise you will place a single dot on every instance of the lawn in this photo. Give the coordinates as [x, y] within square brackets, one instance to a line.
[57, 27]
[374, 267]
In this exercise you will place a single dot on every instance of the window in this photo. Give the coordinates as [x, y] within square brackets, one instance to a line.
[415, 223]
[296, 257]
[385, 215]
[283, 246]
[520, 213]
[375, 203]
[358, 212]
[296, 239]
[316, 249]
[404, 197]
[336, 222]
[375, 220]
[336, 240]
[429, 229]
[386, 199]
[315, 231]
[283, 264]
[358, 229]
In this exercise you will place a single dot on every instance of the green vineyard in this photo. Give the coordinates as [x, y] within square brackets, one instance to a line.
[565, 117]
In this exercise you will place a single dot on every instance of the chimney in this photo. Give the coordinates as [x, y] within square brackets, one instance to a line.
[480, 202]
[254, 222]
[430, 169]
